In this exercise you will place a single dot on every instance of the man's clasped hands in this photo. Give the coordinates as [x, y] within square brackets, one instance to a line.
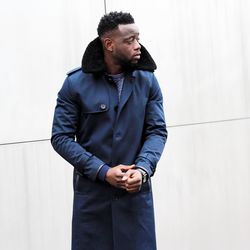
[125, 177]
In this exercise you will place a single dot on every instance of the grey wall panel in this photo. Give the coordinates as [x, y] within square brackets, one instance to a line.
[202, 186]
[40, 42]
[201, 192]
[35, 198]
[202, 49]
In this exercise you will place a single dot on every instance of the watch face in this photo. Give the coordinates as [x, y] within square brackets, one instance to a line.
[144, 175]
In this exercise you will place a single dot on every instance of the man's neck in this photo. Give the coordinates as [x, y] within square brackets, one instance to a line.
[112, 67]
[114, 70]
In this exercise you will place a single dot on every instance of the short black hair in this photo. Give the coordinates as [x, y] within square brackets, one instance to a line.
[111, 21]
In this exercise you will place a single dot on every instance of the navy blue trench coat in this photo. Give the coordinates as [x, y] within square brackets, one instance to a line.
[91, 128]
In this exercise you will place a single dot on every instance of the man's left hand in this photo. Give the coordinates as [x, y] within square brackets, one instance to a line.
[133, 180]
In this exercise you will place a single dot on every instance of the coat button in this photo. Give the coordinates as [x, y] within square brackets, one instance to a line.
[118, 136]
[102, 106]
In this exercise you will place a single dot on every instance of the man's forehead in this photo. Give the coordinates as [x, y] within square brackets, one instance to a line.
[127, 29]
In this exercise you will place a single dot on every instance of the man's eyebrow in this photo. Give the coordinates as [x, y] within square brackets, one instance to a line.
[131, 36]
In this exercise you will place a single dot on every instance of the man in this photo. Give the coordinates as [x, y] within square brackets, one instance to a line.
[109, 124]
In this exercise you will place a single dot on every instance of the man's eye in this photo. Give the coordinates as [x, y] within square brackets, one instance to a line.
[130, 41]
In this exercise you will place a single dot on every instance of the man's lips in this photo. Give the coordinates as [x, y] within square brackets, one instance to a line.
[137, 56]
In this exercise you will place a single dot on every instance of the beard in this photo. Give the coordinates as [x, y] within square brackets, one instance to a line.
[126, 63]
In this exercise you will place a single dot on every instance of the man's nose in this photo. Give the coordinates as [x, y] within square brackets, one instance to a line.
[137, 45]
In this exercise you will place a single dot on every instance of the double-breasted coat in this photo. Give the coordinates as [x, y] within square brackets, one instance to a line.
[92, 127]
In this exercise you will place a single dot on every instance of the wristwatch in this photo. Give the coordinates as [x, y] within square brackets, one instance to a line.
[143, 174]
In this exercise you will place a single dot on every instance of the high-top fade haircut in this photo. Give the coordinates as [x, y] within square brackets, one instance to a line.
[111, 21]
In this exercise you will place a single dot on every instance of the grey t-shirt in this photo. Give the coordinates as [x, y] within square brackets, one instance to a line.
[118, 80]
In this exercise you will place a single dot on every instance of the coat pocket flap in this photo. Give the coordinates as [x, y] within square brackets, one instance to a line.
[93, 109]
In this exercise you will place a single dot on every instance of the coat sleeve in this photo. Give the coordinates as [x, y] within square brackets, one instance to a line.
[64, 129]
[155, 132]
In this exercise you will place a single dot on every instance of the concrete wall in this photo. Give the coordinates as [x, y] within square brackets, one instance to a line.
[202, 185]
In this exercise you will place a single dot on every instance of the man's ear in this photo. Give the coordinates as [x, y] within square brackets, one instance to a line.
[108, 44]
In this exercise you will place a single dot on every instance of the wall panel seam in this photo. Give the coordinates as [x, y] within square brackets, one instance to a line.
[105, 7]
[209, 122]
[170, 126]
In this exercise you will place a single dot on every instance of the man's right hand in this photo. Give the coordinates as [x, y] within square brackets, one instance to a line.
[114, 175]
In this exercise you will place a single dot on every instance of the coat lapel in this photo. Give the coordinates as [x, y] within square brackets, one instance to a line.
[126, 92]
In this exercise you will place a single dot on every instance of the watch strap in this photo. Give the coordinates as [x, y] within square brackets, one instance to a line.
[143, 173]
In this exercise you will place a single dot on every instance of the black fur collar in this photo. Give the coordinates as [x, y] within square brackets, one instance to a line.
[93, 62]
